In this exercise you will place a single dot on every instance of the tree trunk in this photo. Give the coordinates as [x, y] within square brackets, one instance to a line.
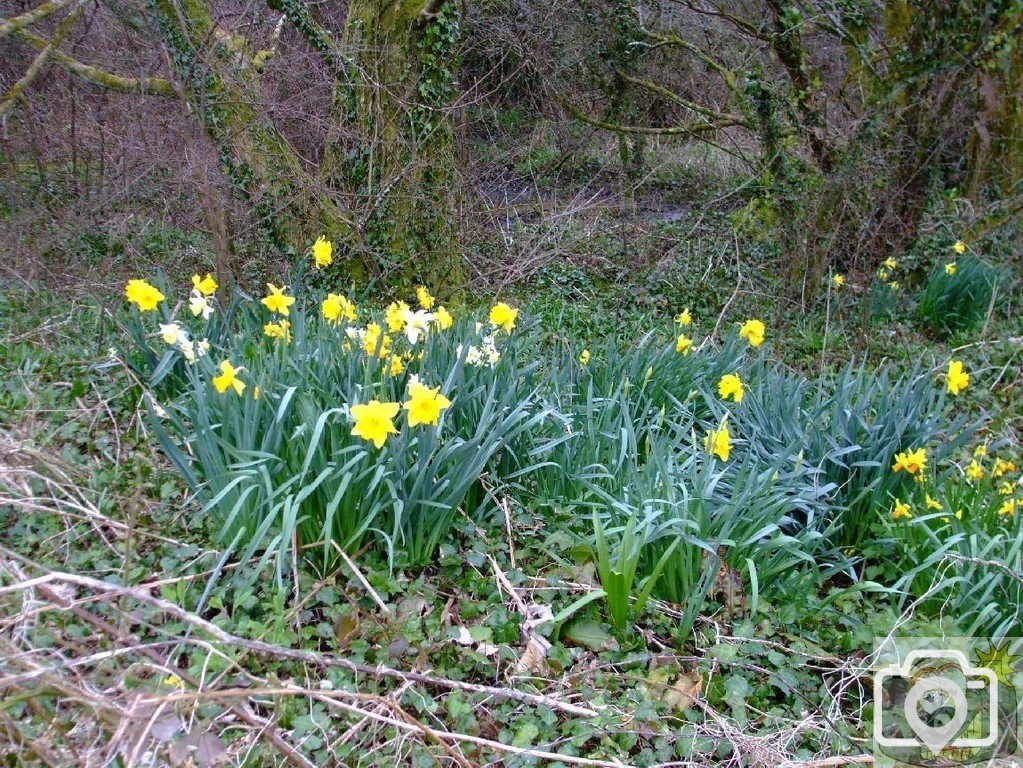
[399, 159]
[218, 73]
[996, 144]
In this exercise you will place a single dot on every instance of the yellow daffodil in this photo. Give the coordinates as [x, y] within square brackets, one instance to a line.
[932, 503]
[901, 510]
[584, 357]
[975, 471]
[281, 330]
[256, 393]
[336, 308]
[719, 442]
[503, 316]
[373, 421]
[890, 263]
[443, 318]
[911, 461]
[730, 387]
[228, 378]
[959, 247]
[425, 298]
[396, 366]
[143, 295]
[894, 285]
[207, 286]
[323, 252]
[1008, 508]
[683, 344]
[1005, 488]
[959, 514]
[171, 333]
[950, 268]
[424, 405]
[375, 341]
[980, 450]
[394, 316]
[838, 280]
[957, 378]
[278, 301]
[1002, 467]
[753, 331]
[684, 317]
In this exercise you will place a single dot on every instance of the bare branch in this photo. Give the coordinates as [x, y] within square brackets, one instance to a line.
[8, 26]
[707, 112]
[17, 90]
[148, 86]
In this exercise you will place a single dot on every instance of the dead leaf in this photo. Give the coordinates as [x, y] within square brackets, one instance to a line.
[199, 749]
[685, 692]
[532, 660]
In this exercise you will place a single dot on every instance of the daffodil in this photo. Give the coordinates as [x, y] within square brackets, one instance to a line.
[323, 252]
[957, 378]
[278, 301]
[443, 318]
[336, 308]
[901, 510]
[424, 405]
[396, 366]
[950, 268]
[932, 503]
[417, 324]
[1008, 508]
[281, 330]
[584, 357]
[375, 341]
[719, 442]
[890, 263]
[1002, 466]
[198, 304]
[911, 461]
[1005, 488]
[503, 316]
[838, 280]
[975, 471]
[980, 450]
[228, 378]
[894, 285]
[394, 316]
[207, 286]
[143, 295]
[171, 333]
[683, 344]
[373, 421]
[426, 300]
[959, 247]
[684, 317]
[753, 332]
[730, 387]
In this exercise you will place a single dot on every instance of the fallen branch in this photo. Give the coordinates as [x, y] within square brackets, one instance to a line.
[309, 657]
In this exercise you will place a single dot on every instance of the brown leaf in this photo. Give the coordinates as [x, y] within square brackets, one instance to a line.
[685, 692]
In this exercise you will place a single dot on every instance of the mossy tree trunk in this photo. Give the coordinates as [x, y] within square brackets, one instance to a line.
[393, 145]
[218, 73]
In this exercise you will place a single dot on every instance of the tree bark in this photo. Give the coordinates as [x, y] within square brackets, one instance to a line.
[220, 82]
[393, 140]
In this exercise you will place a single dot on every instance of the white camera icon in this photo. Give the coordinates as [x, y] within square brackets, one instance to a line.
[932, 683]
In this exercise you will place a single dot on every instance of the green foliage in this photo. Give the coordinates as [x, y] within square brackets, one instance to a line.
[958, 302]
